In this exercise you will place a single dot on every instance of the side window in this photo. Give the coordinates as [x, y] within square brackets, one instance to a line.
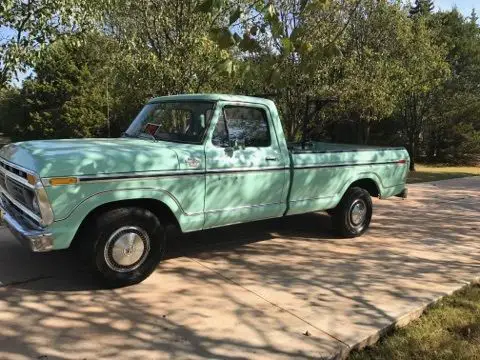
[242, 123]
[220, 135]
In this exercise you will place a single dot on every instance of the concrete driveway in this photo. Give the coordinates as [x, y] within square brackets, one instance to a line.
[274, 290]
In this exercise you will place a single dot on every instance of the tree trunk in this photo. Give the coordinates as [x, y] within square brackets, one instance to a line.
[411, 152]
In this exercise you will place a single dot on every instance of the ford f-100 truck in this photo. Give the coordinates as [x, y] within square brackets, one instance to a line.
[190, 161]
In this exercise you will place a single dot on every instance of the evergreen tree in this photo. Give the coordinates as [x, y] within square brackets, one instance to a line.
[473, 17]
[422, 7]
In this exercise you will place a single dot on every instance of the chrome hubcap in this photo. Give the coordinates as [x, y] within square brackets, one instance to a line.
[358, 212]
[127, 248]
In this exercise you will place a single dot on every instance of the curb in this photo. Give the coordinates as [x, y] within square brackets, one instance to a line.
[400, 322]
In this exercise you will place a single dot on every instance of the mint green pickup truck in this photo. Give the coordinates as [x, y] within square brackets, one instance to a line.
[192, 162]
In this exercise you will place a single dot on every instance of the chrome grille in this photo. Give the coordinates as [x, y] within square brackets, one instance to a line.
[19, 192]
[14, 185]
[2, 180]
[13, 170]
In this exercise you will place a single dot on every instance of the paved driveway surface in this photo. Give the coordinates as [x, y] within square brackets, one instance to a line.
[274, 290]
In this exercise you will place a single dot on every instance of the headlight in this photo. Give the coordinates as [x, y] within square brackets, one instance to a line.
[35, 206]
[43, 204]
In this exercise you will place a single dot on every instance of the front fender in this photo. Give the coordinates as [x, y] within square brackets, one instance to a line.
[66, 227]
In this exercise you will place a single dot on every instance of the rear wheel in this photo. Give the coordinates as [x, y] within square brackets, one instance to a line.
[353, 214]
[124, 245]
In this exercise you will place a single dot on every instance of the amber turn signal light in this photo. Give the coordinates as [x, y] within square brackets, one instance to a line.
[63, 181]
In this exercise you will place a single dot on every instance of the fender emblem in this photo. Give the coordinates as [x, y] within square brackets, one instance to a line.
[192, 162]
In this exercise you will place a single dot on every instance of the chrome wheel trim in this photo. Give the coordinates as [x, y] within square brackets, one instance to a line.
[127, 249]
[358, 212]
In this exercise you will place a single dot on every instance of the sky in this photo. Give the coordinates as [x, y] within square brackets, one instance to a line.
[465, 6]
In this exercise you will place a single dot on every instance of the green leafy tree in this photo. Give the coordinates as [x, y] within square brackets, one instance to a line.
[28, 26]
[175, 39]
[67, 96]
[457, 100]
[372, 69]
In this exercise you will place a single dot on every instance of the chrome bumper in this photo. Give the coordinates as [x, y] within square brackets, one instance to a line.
[36, 239]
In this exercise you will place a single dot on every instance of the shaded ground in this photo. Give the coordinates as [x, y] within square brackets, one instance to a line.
[427, 173]
[278, 289]
[448, 330]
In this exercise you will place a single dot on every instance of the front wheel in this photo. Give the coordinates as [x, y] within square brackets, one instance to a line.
[125, 245]
[353, 214]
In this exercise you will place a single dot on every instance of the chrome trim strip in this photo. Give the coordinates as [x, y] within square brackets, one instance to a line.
[181, 173]
[21, 206]
[133, 175]
[300, 151]
[174, 173]
[304, 167]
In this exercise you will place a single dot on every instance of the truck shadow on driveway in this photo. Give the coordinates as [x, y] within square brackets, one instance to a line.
[65, 273]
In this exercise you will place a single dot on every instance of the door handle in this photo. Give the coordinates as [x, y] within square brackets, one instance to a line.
[271, 158]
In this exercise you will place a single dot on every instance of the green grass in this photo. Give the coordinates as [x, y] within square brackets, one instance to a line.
[426, 173]
[449, 330]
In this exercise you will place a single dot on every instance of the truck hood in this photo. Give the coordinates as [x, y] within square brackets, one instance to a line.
[76, 157]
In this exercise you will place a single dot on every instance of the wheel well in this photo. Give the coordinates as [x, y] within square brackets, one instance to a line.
[369, 185]
[161, 210]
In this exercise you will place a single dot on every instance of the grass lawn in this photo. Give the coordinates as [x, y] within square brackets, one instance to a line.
[450, 329]
[432, 173]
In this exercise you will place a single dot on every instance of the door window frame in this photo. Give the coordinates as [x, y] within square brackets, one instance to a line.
[219, 111]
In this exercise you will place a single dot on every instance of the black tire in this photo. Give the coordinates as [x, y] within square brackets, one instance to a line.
[352, 216]
[117, 227]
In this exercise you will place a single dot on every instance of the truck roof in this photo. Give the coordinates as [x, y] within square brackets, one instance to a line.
[213, 97]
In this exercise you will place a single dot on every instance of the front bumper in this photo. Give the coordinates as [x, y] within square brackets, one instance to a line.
[35, 238]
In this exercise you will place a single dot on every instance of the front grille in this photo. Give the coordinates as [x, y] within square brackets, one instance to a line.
[2, 180]
[19, 192]
[11, 182]
[13, 170]
[18, 213]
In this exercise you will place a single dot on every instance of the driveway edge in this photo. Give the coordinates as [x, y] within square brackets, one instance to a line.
[400, 322]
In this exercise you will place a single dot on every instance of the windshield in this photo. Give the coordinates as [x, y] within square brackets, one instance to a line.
[177, 121]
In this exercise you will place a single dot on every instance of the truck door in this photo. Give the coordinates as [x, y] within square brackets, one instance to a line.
[245, 172]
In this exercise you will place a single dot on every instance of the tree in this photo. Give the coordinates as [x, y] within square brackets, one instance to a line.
[422, 7]
[175, 39]
[425, 69]
[372, 68]
[67, 96]
[456, 103]
[28, 26]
